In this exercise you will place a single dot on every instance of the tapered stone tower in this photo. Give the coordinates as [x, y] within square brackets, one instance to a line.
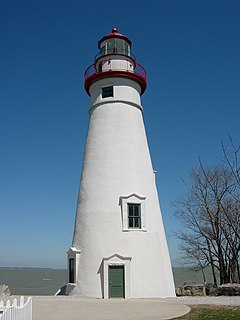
[119, 247]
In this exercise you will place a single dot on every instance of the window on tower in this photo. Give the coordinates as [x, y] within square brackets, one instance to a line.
[107, 92]
[115, 46]
[71, 270]
[110, 45]
[134, 215]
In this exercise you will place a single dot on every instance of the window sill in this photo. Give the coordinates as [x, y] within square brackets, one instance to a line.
[134, 230]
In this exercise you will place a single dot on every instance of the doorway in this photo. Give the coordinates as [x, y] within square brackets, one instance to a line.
[116, 281]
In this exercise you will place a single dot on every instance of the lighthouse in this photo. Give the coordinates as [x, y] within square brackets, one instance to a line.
[119, 248]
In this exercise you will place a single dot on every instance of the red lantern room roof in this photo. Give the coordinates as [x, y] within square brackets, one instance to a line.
[114, 34]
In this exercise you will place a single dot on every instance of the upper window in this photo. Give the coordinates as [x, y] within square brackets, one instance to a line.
[134, 215]
[133, 212]
[107, 92]
[115, 45]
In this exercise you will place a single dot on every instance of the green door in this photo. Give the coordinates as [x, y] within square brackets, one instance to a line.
[116, 281]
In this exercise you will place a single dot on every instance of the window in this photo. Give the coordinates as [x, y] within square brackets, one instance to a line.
[103, 48]
[114, 46]
[110, 45]
[71, 270]
[107, 92]
[100, 66]
[73, 263]
[134, 215]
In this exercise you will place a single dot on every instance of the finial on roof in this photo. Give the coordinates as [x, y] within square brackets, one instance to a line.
[114, 30]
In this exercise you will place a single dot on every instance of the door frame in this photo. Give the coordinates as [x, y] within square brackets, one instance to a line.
[117, 260]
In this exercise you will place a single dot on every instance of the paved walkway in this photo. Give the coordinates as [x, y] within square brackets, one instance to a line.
[74, 308]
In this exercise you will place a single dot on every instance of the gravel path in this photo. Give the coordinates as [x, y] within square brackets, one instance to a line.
[221, 300]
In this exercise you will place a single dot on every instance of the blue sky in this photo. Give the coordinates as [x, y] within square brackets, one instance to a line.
[191, 52]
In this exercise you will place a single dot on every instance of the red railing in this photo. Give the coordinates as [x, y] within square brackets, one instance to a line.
[123, 67]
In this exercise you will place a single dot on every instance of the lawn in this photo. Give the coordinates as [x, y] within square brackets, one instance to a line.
[213, 313]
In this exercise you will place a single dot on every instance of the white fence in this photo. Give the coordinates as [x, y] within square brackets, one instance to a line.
[13, 311]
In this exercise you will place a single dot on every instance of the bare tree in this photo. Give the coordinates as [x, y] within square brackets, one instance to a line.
[210, 216]
[231, 157]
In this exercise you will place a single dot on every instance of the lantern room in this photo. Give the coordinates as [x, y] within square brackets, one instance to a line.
[114, 43]
[115, 60]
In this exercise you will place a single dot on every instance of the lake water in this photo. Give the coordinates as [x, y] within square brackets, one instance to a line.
[34, 281]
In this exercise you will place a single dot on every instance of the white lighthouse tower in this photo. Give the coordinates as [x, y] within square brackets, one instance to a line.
[119, 247]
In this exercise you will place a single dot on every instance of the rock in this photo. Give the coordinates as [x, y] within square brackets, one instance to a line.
[207, 289]
[197, 290]
[230, 289]
[190, 290]
[212, 290]
[178, 291]
[4, 290]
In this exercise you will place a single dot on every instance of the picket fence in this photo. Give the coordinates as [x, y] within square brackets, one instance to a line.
[13, 311]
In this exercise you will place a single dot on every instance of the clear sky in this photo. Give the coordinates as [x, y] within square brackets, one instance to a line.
[191, 51]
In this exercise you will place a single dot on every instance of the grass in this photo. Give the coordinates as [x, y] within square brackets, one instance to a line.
[213, 313]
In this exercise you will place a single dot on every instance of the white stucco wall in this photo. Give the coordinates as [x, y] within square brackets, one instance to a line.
[117, 164]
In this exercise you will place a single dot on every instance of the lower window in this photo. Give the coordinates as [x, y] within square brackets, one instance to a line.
[71, 270]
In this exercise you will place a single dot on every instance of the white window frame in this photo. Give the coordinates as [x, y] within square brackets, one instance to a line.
[74, 254]
[124, 201]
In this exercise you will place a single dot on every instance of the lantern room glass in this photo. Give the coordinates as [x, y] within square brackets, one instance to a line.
[115, 45]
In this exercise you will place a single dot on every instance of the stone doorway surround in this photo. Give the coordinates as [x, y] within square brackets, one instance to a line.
[117, 260]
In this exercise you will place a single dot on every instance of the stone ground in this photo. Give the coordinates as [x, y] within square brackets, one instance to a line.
[74, 308]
